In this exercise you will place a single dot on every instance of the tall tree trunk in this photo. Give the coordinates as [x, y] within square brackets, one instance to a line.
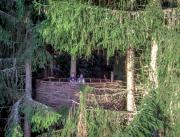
[73, 66]
[28, 85]
[130, 80]
[153, 74]
[27, 128]
[51, 68]
[112, 76]
[153, 65]
[28, 95]
[46, 72]
[119, 68]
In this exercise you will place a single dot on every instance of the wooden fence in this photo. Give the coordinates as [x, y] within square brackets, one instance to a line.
[59, 92]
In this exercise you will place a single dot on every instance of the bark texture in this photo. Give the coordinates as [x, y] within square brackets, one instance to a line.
[28, 95]
[28, 85]
[130, 80]
[27, 128]
[153, 65]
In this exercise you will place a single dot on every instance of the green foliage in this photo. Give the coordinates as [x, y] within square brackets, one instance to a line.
[83, 91]
[35, 50]
[40, 116]
[13, 126]
[80, 28]
[147, 120]
[20, 8]
[104, 122]
[176, 124]
[40, 57]
[3, 94]
[54, 133]
[63, 111]
[70, 127]
[8, 82]
[43, 119]
[168, 64]
[5, 35]
[14, 131]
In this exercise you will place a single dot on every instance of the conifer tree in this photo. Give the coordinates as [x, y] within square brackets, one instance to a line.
[17, 20]
[80, 26]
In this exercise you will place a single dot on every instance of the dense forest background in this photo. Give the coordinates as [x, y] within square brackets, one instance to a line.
[138, 29]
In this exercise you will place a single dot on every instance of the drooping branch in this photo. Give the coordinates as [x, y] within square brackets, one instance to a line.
[11, 21]
[38, 115]
[14, 115]
[8, 70]
[14, 128]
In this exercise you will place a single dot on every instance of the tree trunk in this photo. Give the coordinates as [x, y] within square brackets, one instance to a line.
[130, 80]
[153, 74]
[112, 76]
[28, 85]
[51, 68]
[119, 68]
[73, 66]
[153, 65]
[27, 128]
[28, 95]
[46, 72]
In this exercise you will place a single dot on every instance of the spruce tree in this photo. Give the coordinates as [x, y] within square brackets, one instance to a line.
[16, 19]
[80, 26]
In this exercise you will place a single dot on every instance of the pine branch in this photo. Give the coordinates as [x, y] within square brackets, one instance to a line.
[11, 21]
[39, 115]
[14, 116]
[8, 70]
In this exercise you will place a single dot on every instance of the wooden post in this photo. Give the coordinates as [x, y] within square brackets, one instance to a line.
[73, 66]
